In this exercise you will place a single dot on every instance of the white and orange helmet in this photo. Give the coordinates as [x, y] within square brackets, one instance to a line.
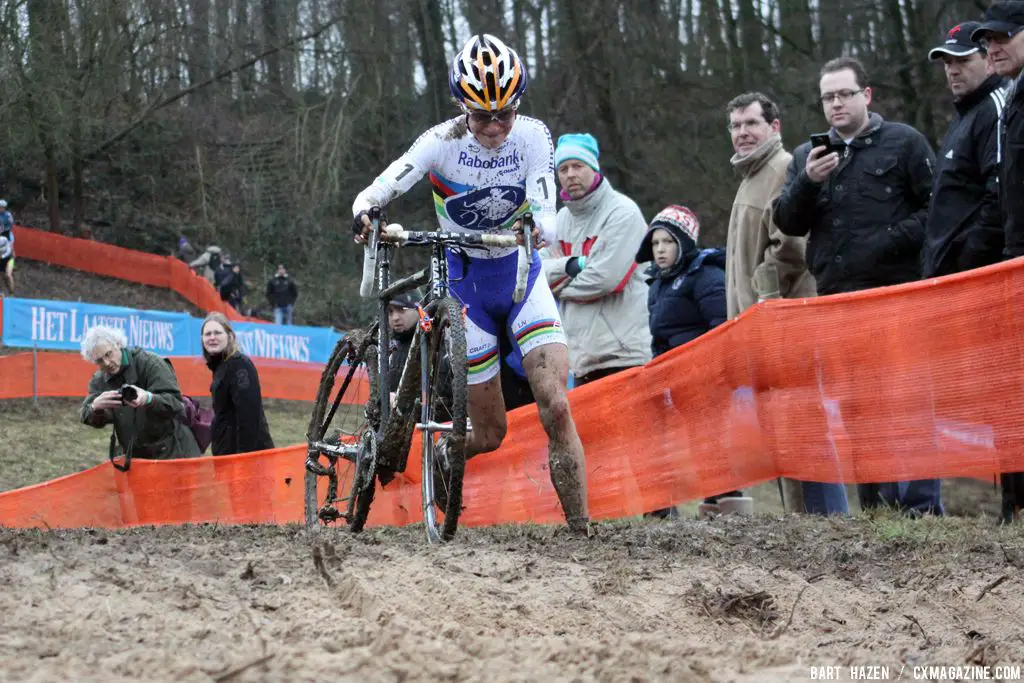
[487, 75]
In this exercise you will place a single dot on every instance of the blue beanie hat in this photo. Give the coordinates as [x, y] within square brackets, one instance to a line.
[582, 146]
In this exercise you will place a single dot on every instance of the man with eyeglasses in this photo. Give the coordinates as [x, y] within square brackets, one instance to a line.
[488, 166]
[1003, 35]
[762, 262]
[862, 201]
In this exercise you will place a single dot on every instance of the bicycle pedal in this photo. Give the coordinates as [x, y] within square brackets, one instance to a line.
[329, 514]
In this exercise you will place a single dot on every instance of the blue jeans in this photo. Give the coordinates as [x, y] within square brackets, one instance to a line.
[919, 495]
[283, 315]
[822, 498]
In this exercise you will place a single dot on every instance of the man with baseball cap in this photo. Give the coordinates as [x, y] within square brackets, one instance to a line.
[964, 229]
[1002, 34]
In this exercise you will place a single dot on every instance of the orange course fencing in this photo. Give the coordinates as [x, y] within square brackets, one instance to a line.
[921, 380]
[125, 264]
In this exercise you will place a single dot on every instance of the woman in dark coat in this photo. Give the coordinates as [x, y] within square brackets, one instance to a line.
[239, 424]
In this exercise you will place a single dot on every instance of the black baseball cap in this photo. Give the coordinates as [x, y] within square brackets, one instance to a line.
[1002, 17]
[959, 42]
[406, 299]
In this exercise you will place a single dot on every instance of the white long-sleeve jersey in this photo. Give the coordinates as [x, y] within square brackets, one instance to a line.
[476, 189]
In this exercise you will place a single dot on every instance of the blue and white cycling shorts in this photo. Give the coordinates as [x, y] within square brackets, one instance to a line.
[486, 291]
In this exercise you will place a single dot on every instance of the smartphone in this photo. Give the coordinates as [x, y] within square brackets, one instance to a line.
[825, 140]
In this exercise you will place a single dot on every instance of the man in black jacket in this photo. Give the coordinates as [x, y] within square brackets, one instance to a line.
[963, 229]
[862, 205]
[862, 200]
[1002, 34]
[282, 294]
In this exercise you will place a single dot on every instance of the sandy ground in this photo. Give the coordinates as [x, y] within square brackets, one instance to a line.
[735, 599]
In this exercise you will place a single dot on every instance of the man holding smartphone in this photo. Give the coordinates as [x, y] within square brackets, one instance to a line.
[863, 204]
[862, 201]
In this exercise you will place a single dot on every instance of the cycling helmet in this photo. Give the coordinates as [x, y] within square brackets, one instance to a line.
[487, 75]
[3, 203]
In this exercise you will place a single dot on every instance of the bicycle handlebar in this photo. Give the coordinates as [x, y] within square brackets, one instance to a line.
[396, 234]
[399, 235]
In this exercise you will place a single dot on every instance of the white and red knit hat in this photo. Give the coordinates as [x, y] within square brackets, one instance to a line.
[680, 222]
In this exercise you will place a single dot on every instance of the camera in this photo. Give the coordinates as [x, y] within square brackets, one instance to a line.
[128, 394]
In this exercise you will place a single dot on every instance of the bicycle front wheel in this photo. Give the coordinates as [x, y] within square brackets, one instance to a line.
[341, 429]
[444, 431]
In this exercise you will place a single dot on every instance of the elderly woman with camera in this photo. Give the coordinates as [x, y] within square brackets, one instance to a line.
[137, 392]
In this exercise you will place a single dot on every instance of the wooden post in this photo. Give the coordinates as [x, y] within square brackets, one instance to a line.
[35, 374]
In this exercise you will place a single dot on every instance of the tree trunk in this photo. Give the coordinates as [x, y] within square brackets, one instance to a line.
[272, 37]
[795, 33]
[486, 16]
[429, 28]
[244, 44]
[199, 67]
[752, 39]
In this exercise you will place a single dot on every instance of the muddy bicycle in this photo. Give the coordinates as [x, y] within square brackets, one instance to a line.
[373, 444]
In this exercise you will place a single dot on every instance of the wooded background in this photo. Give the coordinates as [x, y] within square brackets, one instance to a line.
[253, 125]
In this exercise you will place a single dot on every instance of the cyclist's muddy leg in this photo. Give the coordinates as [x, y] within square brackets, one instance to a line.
[548, 369]
[487, 416]
[9, 275]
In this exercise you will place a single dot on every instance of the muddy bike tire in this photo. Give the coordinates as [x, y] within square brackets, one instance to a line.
[356, 349]
[364, 470]
[446, 395]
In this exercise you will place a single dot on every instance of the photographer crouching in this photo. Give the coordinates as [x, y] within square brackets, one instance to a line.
[137, 392]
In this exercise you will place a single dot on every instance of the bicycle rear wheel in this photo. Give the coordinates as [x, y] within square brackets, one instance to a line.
[342, 429]
[444, 431]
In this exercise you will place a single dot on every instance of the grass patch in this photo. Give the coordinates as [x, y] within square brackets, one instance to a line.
[889, 525]
[45, 441]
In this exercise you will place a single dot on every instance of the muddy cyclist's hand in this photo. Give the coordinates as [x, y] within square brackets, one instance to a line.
[538, 241]
[361, 226]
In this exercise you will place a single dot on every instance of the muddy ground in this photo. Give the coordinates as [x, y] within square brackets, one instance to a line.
[735, 599]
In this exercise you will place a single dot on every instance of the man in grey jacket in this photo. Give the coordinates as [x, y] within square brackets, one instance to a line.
[590, 268]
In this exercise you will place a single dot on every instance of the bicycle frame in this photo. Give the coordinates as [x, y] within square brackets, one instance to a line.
[436, 275]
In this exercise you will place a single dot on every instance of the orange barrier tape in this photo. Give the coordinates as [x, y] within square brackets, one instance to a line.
[125, 264]
[68, 374]
[917, 381]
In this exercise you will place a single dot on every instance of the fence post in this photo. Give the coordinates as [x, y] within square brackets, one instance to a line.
[35, 374]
